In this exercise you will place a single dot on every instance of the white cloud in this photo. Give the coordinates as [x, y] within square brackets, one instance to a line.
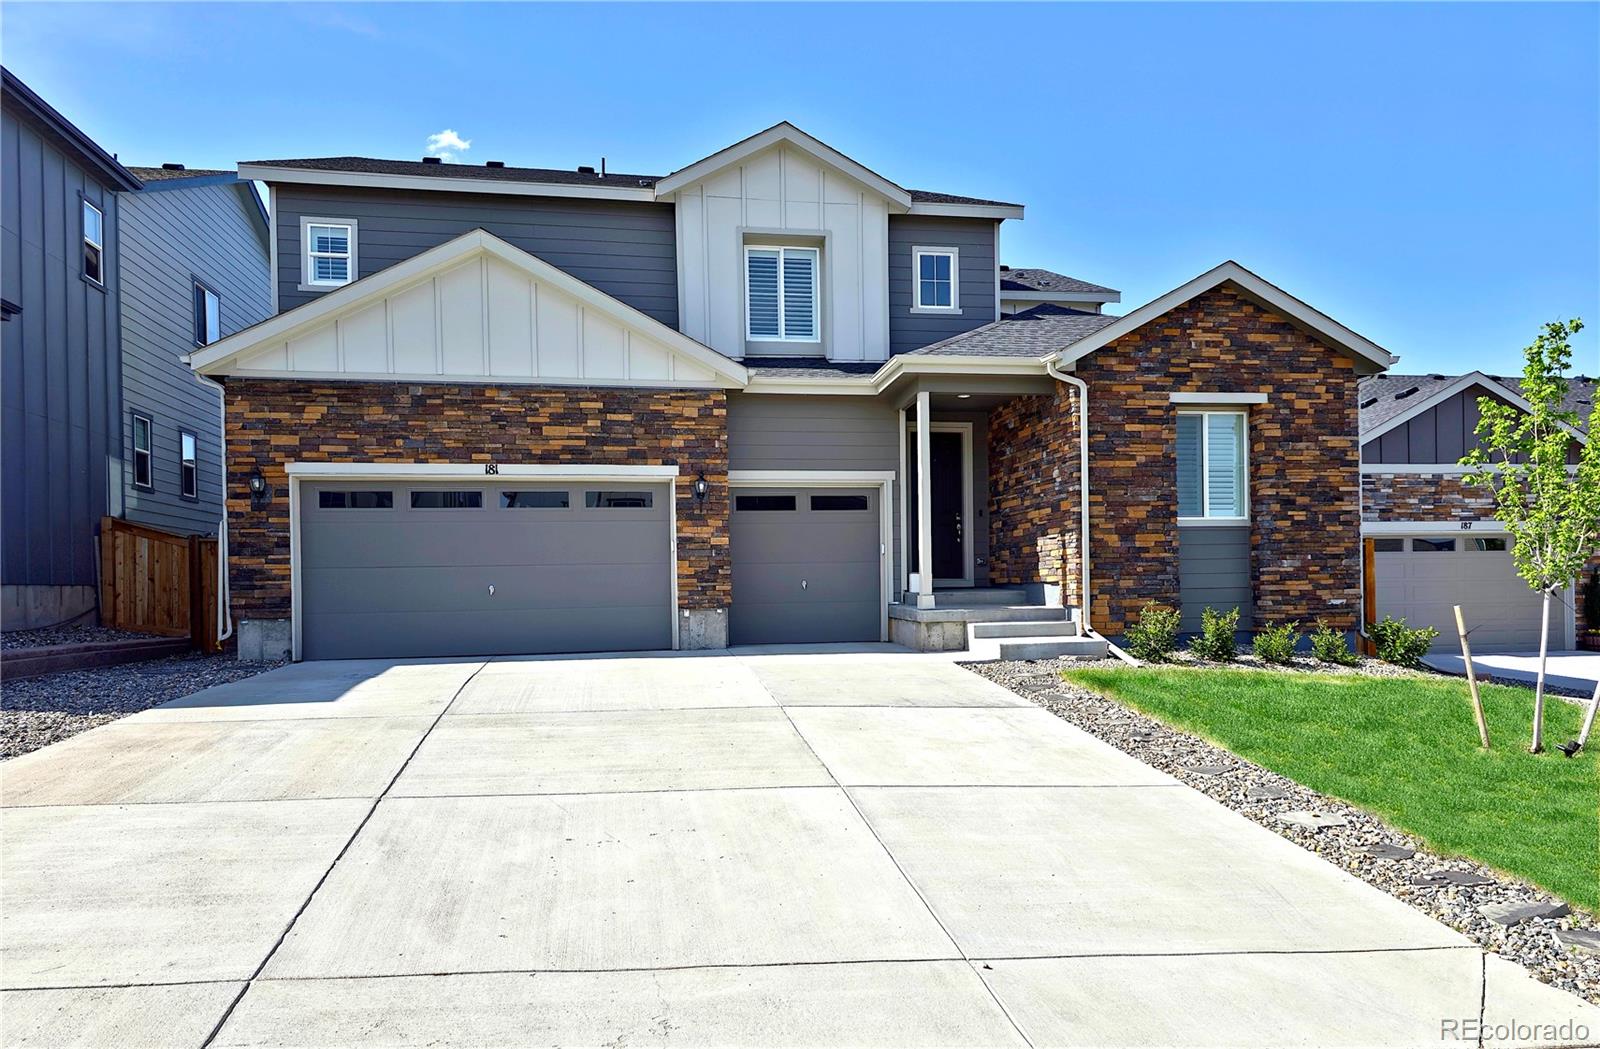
[446, 145]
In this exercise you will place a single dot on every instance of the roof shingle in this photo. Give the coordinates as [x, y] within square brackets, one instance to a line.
[1035, 332]
[1012, 279]
[1383, 397]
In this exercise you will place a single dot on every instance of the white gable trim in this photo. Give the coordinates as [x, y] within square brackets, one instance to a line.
[1276, 298]
[787, 134]
[223, 357]
[1449, 390]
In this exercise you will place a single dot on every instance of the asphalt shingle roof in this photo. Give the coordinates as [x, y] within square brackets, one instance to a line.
[1045, 280]
[1383, 397]
[167, 174]
[1036, 332]
[809, 368]
[547, 176]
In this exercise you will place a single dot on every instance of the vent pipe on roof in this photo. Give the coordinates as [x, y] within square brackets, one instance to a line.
[585, 169]
[602, 167]
[172, 167]
[432, 160]
[494, 163]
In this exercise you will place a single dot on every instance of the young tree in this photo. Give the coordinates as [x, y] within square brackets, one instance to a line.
[1550, 506]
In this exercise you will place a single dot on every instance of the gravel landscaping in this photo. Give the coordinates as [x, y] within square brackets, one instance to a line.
[45, 637]
[35, 712]
[1449, 889]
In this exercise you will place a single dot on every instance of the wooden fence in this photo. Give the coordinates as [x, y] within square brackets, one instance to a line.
[156, 582]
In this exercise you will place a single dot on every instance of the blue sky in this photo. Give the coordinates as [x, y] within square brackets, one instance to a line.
[1427, 174]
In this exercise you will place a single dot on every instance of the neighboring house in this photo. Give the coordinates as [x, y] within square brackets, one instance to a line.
[59, 264]
[195, 269]
[1433, 540]
[1023, 289]
[101, 282]
[523, 410]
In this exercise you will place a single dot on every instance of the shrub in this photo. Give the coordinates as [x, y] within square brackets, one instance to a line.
[1155, 635]
[1277, 644]
[1216, 640]
[1400, 644]
[1329, 646]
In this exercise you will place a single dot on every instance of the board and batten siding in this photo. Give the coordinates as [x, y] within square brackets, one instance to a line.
[775, 432]
[171, 236]
[785, 192]
[625, 249]
[60, 383]
[1214, 571]
[1442, 434]
[976, 241]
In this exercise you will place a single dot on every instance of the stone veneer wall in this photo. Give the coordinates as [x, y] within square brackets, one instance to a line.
[1304, 461]
[272, 422]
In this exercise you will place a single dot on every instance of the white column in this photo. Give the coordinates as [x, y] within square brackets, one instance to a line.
[924, 501]
[903, 582]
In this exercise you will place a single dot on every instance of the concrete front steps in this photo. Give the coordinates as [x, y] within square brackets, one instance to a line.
[992, 624]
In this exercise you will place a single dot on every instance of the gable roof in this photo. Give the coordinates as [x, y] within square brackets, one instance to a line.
[156, 180]
[181, 174]
[346, 301]
[1389, 401]
[1268, 295]
[1018, 283]
[531, 181]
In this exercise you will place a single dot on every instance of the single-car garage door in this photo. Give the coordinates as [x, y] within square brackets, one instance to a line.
[1421, 578]
[806, 566]
[456, 569]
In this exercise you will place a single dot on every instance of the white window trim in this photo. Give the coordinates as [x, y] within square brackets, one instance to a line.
[190, 461]
[783, 321]
[917, 306]
[97, 245]
[1208, 519]
[307, 280]
[149, 452]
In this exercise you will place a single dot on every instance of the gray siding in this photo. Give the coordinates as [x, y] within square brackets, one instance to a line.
[816, 433]
[60, 379]
[1214, 570]
[171, 236]
[1442, 434]
[627, 250]
[975, 240]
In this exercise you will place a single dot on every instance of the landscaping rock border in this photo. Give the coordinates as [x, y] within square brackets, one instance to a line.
[1363, 845]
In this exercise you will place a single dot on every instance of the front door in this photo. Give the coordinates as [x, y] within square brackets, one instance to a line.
[947, 491]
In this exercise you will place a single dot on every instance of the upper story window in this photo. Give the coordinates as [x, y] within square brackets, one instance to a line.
[781, 300]
[937, 279]
[1212, 478]
[94, 263]
[330, 246]
[143, 467]
[188, 466]
[207, 315]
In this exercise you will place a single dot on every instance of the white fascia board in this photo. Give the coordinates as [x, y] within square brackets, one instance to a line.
[787, 134]
[967, 211]
[1478, 524]
[1010, 295]
[1275, 297]
[425, 471]
[911, 364]
[810, 478]
[1458, 385]
[214, 358]
[443, 183]
[824, 387]
[1216, 398]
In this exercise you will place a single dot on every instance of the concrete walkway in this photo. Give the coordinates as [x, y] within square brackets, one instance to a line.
[766, 848]
[1575, 670]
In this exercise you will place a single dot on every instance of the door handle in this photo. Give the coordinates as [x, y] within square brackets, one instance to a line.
[491, 589]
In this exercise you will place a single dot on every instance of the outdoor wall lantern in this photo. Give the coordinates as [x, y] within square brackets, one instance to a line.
[701, 489]
[260, 494]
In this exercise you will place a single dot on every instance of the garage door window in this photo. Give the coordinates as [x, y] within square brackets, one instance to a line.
[1435, 546]
[1489, 544]
[837, 503]
[355, 500]
[534, 500]
[749, 503]
[619, 500]
[1388, 546]
[436, 500]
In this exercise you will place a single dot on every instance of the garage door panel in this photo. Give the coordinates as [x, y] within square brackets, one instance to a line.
[1424, 586]
[492, 633]
[415, 581]
[817, 622]
[823, 582]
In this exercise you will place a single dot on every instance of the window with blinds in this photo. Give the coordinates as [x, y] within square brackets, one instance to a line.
[1211, 465]
[781, 294]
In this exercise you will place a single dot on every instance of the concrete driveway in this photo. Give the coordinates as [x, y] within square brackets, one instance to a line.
[869, 848]
[1575, 670]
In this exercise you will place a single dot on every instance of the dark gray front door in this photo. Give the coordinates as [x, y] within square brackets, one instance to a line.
[458, 569]
[806, 566]
[947, 469]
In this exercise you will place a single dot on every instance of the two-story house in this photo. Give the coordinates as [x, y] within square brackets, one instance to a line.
[110, 276]
[770, 397]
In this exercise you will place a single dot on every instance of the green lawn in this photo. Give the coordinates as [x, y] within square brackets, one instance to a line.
[1407, 750]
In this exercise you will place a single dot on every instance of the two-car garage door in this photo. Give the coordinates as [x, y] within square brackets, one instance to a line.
[460, 568]
[1421, 578]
